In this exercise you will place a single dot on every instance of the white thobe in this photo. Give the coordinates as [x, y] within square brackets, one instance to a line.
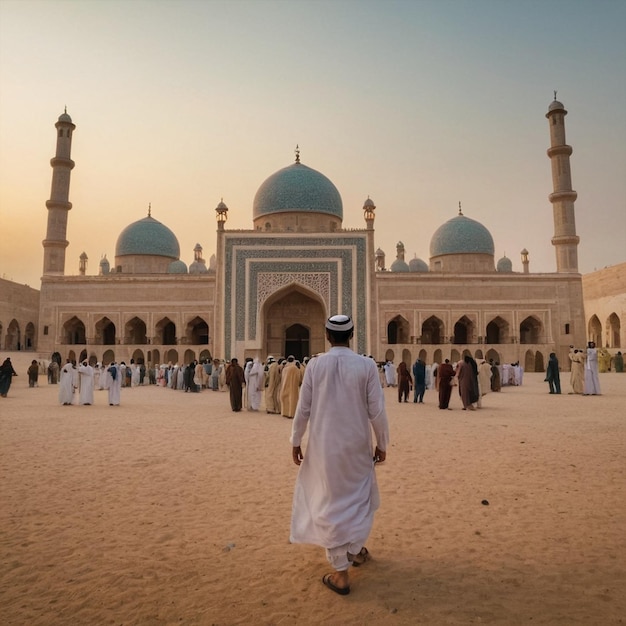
[390, 374]
[135, 375]
[592, 380]
[66, 384]
[336, 494]
[115, 386]
[86, 384]
[255, 385]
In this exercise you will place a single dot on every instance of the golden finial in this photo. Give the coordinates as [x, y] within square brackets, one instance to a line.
[555, 94]
[297, 151]
[460, 212]
[149, 209]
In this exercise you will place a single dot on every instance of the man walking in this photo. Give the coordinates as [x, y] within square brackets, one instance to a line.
[336, 494]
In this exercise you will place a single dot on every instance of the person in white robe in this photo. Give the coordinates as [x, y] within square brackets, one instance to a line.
[592, 381]
[96, 376]
[255, 385]
[115, 384]
[67, 384]
[135, 374]
[85, 371]
[390, 374]
[246, 376]
[336, 494]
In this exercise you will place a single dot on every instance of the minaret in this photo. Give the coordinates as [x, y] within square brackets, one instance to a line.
[55, 242]
[563, 197]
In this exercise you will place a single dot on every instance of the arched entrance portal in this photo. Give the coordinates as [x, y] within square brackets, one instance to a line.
[297, 341]
[294, 324]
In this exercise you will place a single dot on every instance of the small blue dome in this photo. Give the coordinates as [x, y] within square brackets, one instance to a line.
[399, 266]
[148, 236]
[198, 268]
[417, 265]
[504, 265]
[64, 117]
[461, 235]
[177, 267]
[297, 188]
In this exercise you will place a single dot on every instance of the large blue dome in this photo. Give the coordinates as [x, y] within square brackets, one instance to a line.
[147, 236]
[297, 188]
[461, 235]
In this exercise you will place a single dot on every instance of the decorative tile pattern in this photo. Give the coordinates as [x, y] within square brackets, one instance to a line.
[269, 283]
[342, 259]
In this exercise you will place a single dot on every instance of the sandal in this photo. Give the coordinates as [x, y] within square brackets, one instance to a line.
[360, 558]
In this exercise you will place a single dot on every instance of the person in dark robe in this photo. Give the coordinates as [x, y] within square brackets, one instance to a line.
[552, 374]
[235, 381]
[475, 389]
[496, 383]
[465, 377]
[419, 381]
[618, 362]
[33, 374]
[404, 382]
[188, 381]
[445, 375]
[6, 377]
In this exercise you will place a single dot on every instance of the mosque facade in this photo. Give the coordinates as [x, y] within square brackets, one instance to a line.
[268, 290]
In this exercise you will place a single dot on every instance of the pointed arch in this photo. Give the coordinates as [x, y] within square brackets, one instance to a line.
[74, 332]
[293, 319]
[197, 332]
[455, 356]
[105, 332]
[398, 330]
[135, 332]
[433, 330]
[531, 330]
[165, 332]
[406, 357]
[108, 357]
[529, 361]
[594, 331]
[493, 355]
[437, 356]
[539, 362]
[463, 331]
[29, 336]
[154, 357]
[171, 356]
[389, 355]
[613, 330]
[12, 341]
[498, 331]
[138, 356]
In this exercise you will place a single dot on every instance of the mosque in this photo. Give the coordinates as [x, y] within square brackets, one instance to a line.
[269, 289]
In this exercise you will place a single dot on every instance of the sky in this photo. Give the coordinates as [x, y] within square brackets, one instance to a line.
[417, 104]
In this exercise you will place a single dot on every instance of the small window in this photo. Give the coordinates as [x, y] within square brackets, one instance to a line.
[45, 330]
[567, 329]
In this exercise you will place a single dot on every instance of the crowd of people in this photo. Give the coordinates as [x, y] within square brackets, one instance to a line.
[472, 378]
[277, 381]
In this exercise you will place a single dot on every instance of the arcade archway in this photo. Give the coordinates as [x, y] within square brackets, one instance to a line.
[294, 323]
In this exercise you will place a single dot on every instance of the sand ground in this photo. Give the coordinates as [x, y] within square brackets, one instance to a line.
[171, 509]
